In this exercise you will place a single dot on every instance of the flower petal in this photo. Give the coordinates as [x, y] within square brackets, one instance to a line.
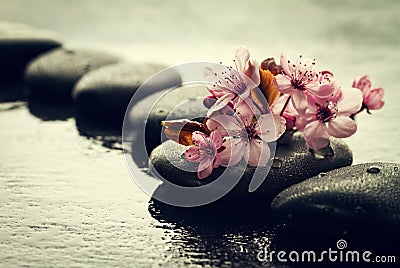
[209, 101]
[303, 120]
[242, 56]
[342, 127]
[233, 152]
[227, 125]
[259, 153]
[363, 83]
[204, 173]
[198, 137]
[205, 161]
[323, 90]
[270, 127]
[221, 103]
[299, 100]
[350, 102]
[217, 161]
[192, 154]
[283, 84]
[316, 135]
[245, 113]
[285, 63]
[216, 137]
[253, 72]
[373, 100]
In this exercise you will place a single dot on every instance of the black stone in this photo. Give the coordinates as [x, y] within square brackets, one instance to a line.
[11, 91]
[49, 111]
[356, 199]
[103, 95]
[293, 163]
[53, 74]
[18, 45]
[178, 103]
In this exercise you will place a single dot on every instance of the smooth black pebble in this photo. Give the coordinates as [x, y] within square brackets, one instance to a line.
[52, 75]
[293, 163]
[359, 199]
[18, 45]
[145, 127]
[104, 94]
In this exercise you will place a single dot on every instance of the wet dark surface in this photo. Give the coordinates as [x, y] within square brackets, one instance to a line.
[67, 198]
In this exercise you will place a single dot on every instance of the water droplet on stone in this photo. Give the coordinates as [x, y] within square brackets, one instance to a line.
[396, 168]
[276, 163]
[322, 174]
[87, 67]
[323, 153]
[359, 210]
[373, 169]
[327, 209]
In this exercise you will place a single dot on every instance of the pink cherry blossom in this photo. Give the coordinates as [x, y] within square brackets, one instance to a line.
[246, 136]
[284, 107]
[372, 97]
[246, 65]
[230, 84]
[300, 80]
[329, 117]
[205, 152]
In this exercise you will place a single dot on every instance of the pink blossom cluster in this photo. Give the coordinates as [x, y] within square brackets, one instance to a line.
[240, 124]
[317, 104]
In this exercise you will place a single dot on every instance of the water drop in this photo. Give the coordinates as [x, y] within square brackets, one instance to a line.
[396, 168]
[276, 163]
[87, 67]
[359, 210]
[323, 153]
[327, 209]
[373, 169]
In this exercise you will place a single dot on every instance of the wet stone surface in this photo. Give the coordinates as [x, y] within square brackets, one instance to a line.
[53, 74]
[103, 95]
[293, 163]
[178, 103]
[356, 199]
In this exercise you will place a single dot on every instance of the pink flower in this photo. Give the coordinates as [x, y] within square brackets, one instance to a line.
[205, 152]
[299, 79]
[246, 65]
[247, 136]
[289, 113]
[230, 84]
[372, 97]
[329, 117]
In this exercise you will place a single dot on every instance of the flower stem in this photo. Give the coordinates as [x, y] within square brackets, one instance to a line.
[284, 106]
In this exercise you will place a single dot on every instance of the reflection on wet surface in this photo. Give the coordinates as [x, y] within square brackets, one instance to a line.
[70, 197]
